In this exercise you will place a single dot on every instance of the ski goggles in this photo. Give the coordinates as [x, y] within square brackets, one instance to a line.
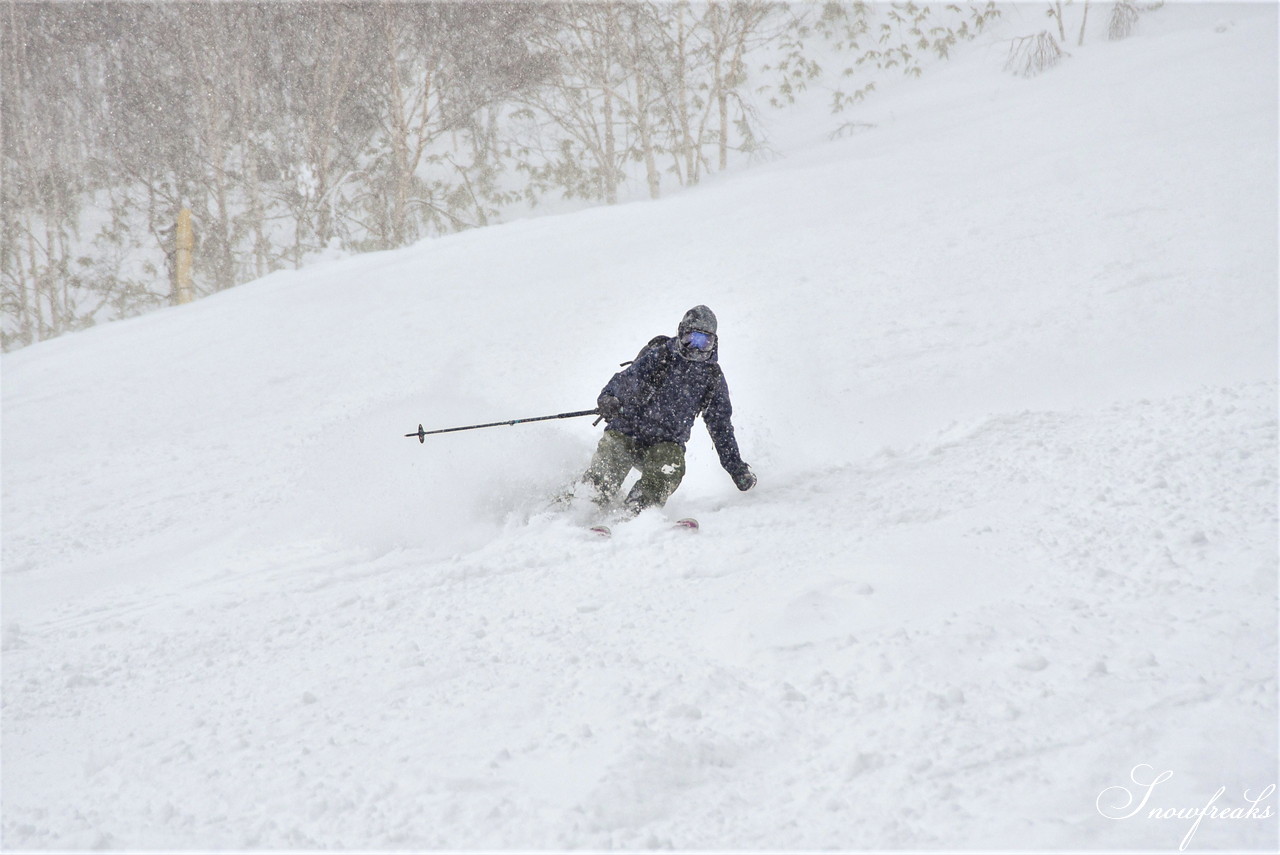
[699, 340]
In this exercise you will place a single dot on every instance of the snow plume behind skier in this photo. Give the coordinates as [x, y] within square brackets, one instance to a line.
[649, 409]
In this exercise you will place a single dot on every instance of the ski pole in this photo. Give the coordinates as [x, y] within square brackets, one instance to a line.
[422, 434]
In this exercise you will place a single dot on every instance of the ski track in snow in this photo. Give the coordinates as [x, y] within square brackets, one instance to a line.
[1016, 531]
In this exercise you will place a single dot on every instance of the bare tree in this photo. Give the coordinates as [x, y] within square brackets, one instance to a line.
[44, 147]
[443, 64]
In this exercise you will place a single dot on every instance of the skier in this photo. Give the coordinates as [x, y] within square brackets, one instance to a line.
[649, 408]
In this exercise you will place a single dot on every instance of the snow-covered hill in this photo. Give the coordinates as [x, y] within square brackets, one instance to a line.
[1005, 364]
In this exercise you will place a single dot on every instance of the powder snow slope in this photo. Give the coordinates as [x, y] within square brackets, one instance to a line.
[1005, 364]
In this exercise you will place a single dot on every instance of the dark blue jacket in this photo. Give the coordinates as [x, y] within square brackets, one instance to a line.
[662, 393]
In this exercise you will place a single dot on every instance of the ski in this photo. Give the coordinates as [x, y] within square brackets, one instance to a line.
[686, 524]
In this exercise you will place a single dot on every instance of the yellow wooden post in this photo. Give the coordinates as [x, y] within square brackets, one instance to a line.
[185, 241]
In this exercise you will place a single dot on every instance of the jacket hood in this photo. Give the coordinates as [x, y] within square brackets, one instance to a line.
[701, 319]
[698, 318]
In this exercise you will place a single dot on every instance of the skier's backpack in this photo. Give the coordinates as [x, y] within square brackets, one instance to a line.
[660, 375]
[656, 341]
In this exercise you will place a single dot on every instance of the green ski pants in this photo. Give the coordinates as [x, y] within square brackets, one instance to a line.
[661, 469]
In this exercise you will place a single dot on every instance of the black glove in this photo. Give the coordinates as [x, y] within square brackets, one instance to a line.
[609, 407]
[744, 478]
